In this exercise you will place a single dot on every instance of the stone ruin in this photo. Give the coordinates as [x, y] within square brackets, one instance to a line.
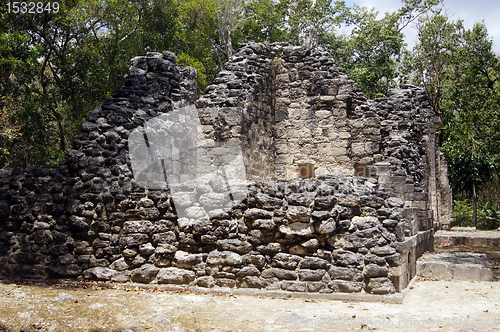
[285, 178]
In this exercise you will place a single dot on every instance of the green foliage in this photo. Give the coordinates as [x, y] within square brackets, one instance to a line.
[462, 213]
[461, 75]
[488, 215]
[187, 60]
[373, 51]
[56, 67]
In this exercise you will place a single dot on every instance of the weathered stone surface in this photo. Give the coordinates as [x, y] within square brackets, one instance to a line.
[252, 282]
[206, 281]
[326, 226]
[286, 261]
[99, 273]
[347, 258]
[241, 247]
[172, 275]
[248, 271]
[224, 258]
[346, 286]
[374, 270]
[380, 286]
[313, 263]
[297, 228]
[145, 273]
[344, 273]
[119, 265]
[301, 122]
[455, 266]
[253, 214]
[311, 275]
[279, 273]
[186, 260]
[294, 286]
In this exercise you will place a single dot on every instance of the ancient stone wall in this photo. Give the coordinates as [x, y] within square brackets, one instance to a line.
[284, 108]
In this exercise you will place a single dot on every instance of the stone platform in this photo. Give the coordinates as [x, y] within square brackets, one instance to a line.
[455, 266]
[467, 237]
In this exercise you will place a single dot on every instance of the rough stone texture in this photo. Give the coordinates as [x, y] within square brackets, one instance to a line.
[467, 238]
[298, 119]
[455, 266]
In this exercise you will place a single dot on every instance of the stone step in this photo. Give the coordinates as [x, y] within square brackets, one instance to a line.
[455, 266]
[467, 238]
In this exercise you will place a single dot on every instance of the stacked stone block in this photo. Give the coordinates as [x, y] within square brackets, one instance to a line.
[285, 106]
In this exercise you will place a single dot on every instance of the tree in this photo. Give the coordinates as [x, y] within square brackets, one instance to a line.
[60, 65]
[373, 50]
[432, 58]
[473, 113]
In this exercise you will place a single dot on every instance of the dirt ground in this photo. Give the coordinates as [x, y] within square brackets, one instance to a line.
[428, 306]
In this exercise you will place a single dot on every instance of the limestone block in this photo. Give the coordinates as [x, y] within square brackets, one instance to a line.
[297, 228]
[345, 286]
[172, 275]
[455, 266]
[358, 149]
[145, 273]
[380, 286]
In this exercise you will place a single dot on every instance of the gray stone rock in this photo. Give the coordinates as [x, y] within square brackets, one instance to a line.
[324, 202]
[248, 271]
[395, 202]
[380, 286]
[172, 275]
[206, 281]
[326, 226]
[385, 250]
[241, 247]
[286, 261]
[224, 258]
[270, 248]
[361, 223]
[314, 263]
[344, 286]
[347, 258]
[144, 274]
[297, 228]
[224, 282]
[121, 277]
[165, 248]
[146, 249]
[119, 265]
[302, 199]
[256, 260]
[297, 214]
[311, 244]
[186, 260]
[374, 270]
[253, 214]
[99, 273]
[315, 286]
[311, 275]
[345, 273]
[294, 286]
[251, 282]
[264, 223]
[279, 273]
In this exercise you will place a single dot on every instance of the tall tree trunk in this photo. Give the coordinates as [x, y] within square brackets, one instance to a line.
[62, 138]
[474, 204]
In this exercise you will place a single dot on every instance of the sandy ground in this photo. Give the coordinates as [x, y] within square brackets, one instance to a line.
[428, 306]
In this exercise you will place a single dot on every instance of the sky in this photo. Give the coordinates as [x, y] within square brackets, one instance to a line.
[470, 11]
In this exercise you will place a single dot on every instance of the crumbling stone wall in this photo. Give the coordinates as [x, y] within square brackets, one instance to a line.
[89, 218]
